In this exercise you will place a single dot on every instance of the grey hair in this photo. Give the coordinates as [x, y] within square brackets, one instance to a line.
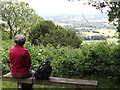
[19, 39]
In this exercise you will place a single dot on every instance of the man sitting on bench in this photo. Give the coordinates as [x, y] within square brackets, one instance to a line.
[20, 61]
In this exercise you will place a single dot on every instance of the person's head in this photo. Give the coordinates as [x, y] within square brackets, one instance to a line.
[19, 39]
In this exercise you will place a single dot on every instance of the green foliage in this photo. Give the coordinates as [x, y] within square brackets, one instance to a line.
[4, 54]
[100, 59]
[18, 16]
[104, 82]
[40, 30]
[46, 32]
[4, 33]
[113, 11]
[62, 38]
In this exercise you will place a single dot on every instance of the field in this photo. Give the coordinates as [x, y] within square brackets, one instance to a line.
[105, 32]
[110, 40]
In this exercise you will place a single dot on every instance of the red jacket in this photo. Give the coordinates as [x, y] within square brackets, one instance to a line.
[20, 60]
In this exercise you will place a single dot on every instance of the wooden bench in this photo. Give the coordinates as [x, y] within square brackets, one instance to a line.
[55, 81]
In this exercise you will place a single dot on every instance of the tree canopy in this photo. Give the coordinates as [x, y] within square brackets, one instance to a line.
[18, 16]
[46, 32]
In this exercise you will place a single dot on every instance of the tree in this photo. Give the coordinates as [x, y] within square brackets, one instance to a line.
[39, 30]
[62, 38]
[4, 34]
[18, 16]
[46, 32]
[113, 12]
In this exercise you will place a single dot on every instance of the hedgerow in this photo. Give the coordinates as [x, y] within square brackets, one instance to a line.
[101, 59]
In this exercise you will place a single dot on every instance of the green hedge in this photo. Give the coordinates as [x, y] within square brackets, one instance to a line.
[101, 59]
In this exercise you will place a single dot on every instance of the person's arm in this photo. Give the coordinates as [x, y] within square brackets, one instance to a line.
[10, 59]
[28, 59]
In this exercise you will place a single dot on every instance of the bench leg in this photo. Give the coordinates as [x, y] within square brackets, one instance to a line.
[19, 86]
[24, 86]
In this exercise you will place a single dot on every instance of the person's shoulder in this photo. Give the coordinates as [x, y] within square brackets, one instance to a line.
[25, 49]
[19, 48]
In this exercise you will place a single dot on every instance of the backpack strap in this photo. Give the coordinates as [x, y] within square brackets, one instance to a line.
[33, 78]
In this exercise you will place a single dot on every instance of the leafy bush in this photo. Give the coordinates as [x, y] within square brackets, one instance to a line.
[40, 30]
[101, 59]
[46, 32]
[3, 33]
[62, 38]
[4, 54]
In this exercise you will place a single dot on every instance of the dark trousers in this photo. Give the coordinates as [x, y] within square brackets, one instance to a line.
[24, 86]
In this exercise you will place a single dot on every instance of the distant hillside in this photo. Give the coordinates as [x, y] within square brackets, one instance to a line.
[88, 26]
[78, 21]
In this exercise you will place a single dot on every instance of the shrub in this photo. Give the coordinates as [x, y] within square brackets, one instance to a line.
[100, 59]
[62, 38]
[4, 54]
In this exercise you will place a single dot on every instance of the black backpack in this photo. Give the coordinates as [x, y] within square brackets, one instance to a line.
[43, 72]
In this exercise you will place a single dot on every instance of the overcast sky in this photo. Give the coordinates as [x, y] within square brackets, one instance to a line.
[53, 7]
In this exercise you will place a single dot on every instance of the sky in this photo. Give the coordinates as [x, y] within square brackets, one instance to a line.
[55, 7]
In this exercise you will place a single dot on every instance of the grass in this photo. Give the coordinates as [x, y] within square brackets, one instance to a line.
[7, 84]
[109, 40]
[105, 32]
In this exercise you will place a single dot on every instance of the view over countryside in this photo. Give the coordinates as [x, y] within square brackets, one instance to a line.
[91, 27]
[79, 39]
